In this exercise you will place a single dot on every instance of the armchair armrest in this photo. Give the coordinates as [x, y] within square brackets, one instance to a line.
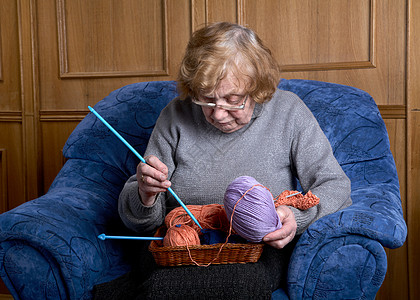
[342, 266]
[341, 255]
[53, 240]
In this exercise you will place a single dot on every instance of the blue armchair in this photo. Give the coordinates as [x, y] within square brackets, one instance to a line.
[49, 247]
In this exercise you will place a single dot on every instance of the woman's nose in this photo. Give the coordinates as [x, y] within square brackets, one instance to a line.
[219, 113]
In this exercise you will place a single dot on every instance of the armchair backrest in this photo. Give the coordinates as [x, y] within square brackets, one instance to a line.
[348, 116]
[354, 127]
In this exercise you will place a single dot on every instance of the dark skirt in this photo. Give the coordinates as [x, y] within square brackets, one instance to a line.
[231, 281]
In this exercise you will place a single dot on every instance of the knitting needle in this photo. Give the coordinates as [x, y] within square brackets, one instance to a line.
[288, 196]
[144, 161]
[103, 237]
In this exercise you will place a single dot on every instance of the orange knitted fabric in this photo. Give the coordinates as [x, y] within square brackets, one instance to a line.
[298, 201]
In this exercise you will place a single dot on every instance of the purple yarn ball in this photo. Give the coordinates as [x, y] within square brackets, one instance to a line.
[255, 215]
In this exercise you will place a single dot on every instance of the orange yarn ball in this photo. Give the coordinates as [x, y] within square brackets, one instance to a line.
[212, 216]
[182, 230]
[181, 235]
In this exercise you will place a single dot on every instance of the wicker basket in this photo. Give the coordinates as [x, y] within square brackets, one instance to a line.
[204, 255]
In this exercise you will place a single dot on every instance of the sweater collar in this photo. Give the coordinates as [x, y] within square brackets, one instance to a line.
[258, 110]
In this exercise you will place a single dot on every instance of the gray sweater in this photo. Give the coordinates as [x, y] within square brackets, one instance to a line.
[282, 142]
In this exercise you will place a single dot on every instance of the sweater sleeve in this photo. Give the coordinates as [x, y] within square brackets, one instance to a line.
[134, 214]
[316, 169]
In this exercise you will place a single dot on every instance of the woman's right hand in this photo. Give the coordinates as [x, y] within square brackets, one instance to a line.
[152, 179]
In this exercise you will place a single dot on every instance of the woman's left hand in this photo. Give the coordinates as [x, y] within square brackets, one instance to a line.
[281, 237]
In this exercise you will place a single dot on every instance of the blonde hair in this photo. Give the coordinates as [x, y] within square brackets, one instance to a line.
[221, 47]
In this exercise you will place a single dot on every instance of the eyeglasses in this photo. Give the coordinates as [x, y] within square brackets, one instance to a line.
[232, 103]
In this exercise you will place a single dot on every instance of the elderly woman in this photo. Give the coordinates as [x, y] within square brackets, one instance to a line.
[231, 120]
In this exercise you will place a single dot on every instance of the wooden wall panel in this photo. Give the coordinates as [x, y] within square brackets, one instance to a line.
[3, 181]
[113, 51]
[413, 144]
[231, 11]
[97, 37]
[9, 60]
[54, 136]
[12, 166]
[358, 43]
[209, 11]
[397, 132]
[397, 273]
[12, 182]
[312, 34]
[413, 205]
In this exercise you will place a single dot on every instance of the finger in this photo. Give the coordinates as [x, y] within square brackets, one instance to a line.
[279, 244]
[283, 212]
[150, 182]
[155, 162]
[151, 190]
[278, 234]
[153, 168]
[280, 238]
[288, 224]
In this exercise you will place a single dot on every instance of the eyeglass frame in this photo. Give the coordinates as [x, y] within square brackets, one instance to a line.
[224, 106]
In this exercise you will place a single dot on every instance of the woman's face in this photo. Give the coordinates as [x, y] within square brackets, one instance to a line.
[228, 120]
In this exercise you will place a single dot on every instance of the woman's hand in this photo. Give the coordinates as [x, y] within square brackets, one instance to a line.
[152, 179]
[281, 237]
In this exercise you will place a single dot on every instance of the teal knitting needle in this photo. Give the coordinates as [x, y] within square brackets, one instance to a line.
[144, 161]
[104, 237]
[293, 194]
